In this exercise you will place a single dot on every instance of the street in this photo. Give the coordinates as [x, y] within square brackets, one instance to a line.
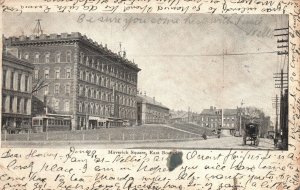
[211, 143]
[214, 143]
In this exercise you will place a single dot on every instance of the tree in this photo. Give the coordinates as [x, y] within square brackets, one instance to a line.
[40, 84]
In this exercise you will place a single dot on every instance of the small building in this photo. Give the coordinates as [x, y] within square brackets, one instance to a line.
[149, 111]
[16, 93]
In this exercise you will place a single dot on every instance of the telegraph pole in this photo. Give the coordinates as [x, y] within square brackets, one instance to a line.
[281, 79]
[276, 122]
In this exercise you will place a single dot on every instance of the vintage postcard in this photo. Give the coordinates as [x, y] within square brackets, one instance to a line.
[109, 95]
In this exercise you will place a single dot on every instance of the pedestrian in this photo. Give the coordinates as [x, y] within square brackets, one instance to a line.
[276, 140]
[204, 136]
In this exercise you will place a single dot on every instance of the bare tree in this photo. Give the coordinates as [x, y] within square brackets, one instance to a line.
[40, 84]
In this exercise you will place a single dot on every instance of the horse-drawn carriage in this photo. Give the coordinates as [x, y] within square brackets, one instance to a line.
[251, 133]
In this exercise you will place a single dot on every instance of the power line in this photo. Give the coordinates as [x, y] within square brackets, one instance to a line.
[203, 55]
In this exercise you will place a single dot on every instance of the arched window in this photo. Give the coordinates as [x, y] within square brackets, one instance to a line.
[57, 57]
[68, 73]
[92, 78]
[87, 76]
[81, 57]
[89, 92]
[26, 55]
[36, 58]
[87, 61]
[47, 57]
[80, 90]
[81, 75]
[80, 107]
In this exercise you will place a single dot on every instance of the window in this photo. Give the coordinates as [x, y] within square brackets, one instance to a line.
[93, 63]
[87, 76]
[36, 74]
[57, 73]
[81, 75]
[56, 88]
[57, 57]
[92, 78]
[12, 80]
[47, 57]
[80, 90]
[68, 73]
[87, 61]
[81, 57]
[46, 90]
[26, 83]
[26, 56]
[25, 105]
[68, 57]
[18, 105]
[67, 105]
[19, 82]
[4, 79]
[36, 58]
[56, 105]
[68, 88]
[80, 107]
[11, 99]
[46, 73]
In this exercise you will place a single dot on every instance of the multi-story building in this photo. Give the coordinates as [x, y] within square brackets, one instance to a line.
[212, 118]
[149, 111]
[80, 79]
[16, 93]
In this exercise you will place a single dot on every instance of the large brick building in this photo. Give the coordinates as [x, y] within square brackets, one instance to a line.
[212, 118]
[16, 93]
[81, 79]
[150, 111]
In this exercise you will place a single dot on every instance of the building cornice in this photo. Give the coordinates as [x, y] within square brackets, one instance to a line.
[21, 62]
[71, 39]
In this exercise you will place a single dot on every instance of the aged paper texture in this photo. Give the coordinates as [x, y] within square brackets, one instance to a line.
[150, 94]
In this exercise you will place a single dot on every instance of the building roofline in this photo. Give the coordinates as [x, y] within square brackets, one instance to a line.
[22, 62]
[33, 39]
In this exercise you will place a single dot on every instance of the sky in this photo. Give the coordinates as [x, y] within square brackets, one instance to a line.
[181, 56]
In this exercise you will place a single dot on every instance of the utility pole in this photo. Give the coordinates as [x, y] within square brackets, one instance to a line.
[276, 122]
[281, 79]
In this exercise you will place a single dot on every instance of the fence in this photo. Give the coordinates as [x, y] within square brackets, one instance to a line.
[97, 136]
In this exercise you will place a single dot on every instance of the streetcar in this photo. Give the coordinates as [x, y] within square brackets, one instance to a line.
[51, 123]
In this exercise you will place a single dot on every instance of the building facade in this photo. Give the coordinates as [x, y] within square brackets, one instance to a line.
[212, 118]
[79, 78]
[16, 93]
[149, 111]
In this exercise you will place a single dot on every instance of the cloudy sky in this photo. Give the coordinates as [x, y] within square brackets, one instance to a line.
[181, 56]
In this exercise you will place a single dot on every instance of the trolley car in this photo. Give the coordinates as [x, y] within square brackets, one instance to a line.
[51, 123]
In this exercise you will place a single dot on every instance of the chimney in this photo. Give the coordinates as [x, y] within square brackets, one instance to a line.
[154, 99]
[145, 93]
[211, 108]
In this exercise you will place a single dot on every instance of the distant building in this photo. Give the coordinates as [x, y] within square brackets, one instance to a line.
[82, 79]
[149, 111]
[16, 93]
[179, 117]
[212, 118]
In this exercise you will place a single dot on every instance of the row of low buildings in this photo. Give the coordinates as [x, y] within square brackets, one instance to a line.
[69, 82]
[233, 119]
